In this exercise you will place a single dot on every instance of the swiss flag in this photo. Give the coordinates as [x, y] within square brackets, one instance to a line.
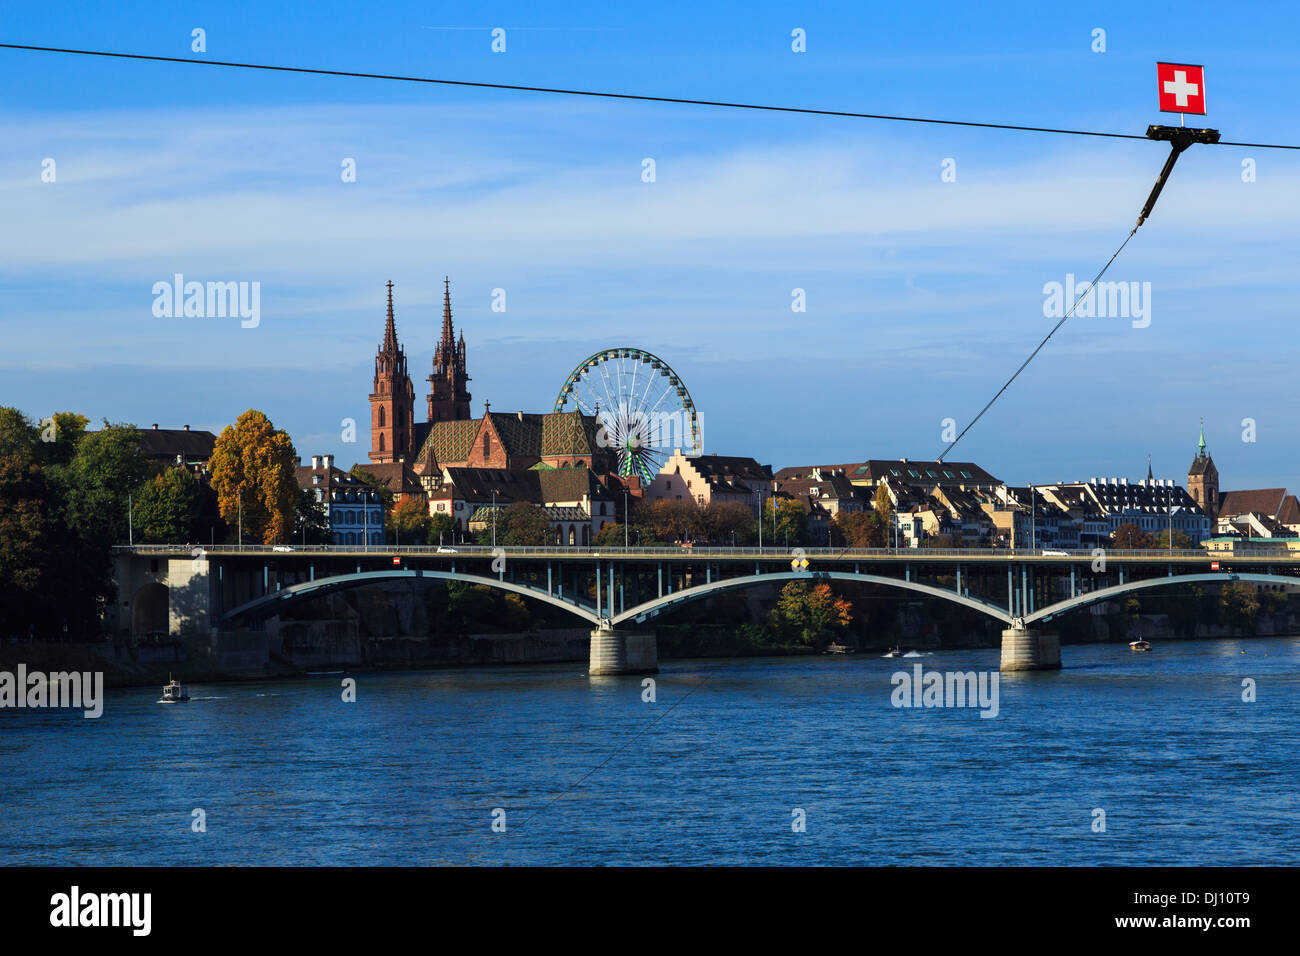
[1182, 88]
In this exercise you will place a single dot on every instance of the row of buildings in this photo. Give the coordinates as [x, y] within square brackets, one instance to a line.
[469, 467]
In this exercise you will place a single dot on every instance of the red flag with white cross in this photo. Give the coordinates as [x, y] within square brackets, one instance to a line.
[1182, 88]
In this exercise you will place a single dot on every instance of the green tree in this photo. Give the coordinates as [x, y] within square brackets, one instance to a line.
[442, 528]
[1239, 603]
[790, 526]
[1181, 540]
[359, 472]
[611, 536]
[166, 507]
[521, 524]
[311, 522]
[27, 532]
[253, 476]
[105, 470]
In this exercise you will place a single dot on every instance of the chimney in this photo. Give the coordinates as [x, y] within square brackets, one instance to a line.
[187, 427]
[328, 461]
[155, 426]
[521, 415]
[315, 462]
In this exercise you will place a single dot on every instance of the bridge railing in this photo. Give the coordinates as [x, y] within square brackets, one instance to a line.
[711, 552]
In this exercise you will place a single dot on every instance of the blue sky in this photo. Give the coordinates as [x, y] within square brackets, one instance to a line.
[922, 295]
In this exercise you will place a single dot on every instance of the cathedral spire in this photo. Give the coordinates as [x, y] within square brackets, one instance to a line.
[390, 327]
[448, 332]
[448, 396]
[1150, 477]
[1200, 453]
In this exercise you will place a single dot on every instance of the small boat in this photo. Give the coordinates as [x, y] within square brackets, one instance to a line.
[1139, 645]
[834, 648]
[895, 652]
[174, 692]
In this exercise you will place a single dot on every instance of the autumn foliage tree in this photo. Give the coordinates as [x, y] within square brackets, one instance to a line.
[252, 474]
[1129, 536]
[809, 614]
[409, 523]
[859, 529]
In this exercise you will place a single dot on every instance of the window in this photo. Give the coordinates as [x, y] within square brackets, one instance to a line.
[381, 442]
[487, 446]
[381, 416]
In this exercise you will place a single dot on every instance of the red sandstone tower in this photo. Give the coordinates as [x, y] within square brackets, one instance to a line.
[448, 396]
[392, 403]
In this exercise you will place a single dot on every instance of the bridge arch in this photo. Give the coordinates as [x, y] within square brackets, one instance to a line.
[267, 604]
[649, 608]
[1105, 594]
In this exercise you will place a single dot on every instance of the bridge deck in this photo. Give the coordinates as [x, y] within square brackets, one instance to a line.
[1193, 557]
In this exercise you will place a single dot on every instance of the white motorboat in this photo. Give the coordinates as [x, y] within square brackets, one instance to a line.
[174, 692]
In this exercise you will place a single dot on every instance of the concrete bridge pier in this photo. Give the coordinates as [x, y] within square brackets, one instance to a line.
[622, 652]
[1024, 649]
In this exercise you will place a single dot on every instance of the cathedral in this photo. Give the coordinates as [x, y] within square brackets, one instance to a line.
[394, 433]
[412, 458]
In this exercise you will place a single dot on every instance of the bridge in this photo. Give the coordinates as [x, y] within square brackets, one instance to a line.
[617, 590]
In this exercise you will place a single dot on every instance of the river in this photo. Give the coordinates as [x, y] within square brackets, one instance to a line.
[713, 771]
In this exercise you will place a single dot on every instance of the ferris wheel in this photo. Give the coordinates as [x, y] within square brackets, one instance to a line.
[642, 406]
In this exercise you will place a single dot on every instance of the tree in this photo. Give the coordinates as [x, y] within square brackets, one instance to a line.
[63, 505]
[1129, 536]
[884, 505]
[26, 529]
[718, 521]
[359, 472]
[1181, 540]
[253, 476]
[611, 536]
[105, 470]
[810, 614]
[311, 521]
[520, 525]
[442, 526]
[1239, 602]
[791, 524]
[409, 523]
[667, 520]
[166, 507]
[859, 529]
[59, 437]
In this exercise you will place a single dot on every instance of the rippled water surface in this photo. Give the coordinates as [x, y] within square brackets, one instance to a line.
[710, 773]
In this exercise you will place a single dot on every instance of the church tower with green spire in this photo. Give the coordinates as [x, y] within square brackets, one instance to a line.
[1203, 480]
